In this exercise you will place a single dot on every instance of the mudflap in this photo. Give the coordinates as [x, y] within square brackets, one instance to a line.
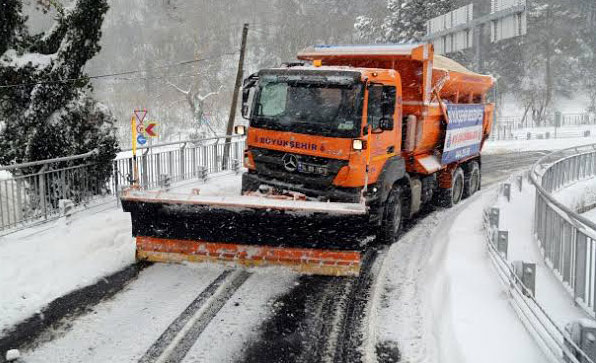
[249, 234]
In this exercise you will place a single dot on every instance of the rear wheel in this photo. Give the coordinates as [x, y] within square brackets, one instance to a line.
[472, 182]
[392, 217]
[449, 197]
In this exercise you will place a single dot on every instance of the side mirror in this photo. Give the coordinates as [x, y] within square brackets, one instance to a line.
[245, 102]
[247, 92]
[386, 123]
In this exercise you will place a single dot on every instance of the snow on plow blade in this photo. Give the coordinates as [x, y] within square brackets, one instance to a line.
[309, 237]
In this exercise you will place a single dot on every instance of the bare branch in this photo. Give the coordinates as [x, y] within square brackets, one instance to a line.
[203, 98]
[178, 88]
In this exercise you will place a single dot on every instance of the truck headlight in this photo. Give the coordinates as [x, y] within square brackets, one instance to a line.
[357, 144]
[240, 130]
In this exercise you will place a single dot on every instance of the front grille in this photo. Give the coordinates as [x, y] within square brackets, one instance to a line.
[270, 163]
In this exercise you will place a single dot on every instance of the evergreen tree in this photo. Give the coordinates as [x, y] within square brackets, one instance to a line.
[45, 109]
[405, 23]
[367, 30]
[36, 102]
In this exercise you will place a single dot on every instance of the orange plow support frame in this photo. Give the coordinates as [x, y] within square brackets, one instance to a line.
[303, 260]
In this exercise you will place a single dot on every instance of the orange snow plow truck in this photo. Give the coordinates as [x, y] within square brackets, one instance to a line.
[340, 147]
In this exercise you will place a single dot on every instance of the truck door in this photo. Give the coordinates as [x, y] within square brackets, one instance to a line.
[381, 107]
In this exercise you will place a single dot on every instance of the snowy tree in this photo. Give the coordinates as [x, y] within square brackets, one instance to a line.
[367, 30]
[34, 73]
[550, 56]
[405, 23]
[44, 101]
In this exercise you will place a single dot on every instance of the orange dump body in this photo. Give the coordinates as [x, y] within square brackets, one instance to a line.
[428, 82]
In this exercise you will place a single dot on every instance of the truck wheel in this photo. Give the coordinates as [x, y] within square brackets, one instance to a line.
[392, 217]
[248, 185]
[472, 182]
[449, 197]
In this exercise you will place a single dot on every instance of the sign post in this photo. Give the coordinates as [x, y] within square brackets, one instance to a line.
[138, 131]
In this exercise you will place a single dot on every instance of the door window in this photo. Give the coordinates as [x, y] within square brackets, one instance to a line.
[381, 104]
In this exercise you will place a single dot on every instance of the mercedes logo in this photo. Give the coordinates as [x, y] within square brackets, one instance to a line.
[290, 162]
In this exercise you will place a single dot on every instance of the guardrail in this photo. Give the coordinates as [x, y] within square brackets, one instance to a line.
[34, 192]
[567, 240]
[519, 278]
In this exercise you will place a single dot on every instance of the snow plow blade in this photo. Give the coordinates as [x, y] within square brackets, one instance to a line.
[303, 260]
[309, 237]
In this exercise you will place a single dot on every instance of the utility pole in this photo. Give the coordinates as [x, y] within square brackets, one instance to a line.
[237, 86]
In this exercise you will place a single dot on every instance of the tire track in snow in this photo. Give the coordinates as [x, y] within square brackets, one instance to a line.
[179, 337]
[323, 319]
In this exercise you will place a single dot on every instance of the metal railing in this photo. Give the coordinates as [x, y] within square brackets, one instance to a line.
[178, 161]
[520, 282]
[31, 193]
[567, 239]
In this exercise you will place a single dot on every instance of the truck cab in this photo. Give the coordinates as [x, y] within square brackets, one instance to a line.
[317, 130]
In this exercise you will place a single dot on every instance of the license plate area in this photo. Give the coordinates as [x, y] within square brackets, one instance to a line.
[307, 168]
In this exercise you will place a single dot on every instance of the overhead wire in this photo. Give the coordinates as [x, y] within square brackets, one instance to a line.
[116, 75]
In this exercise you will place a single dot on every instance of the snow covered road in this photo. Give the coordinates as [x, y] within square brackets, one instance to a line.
[274, 315]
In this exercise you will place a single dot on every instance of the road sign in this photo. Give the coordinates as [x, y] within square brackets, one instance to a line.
[141, 140]
[149, 129]
[140, 115]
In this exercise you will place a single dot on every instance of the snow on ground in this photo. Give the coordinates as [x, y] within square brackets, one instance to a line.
[38, 268]
[506, 146]
[581, 194]
[42, 263]
[123, 328]
[591, 215]
[517, 217]
[441, 299]
[239, 320]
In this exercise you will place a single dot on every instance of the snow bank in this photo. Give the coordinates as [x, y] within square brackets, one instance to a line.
[40, 267]
[591, 215]
[42, 263]
[517, 217]
[579, 195]
[482, 321]
[440, 298]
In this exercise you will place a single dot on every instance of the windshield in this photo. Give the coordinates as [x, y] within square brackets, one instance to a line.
[309, 108]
